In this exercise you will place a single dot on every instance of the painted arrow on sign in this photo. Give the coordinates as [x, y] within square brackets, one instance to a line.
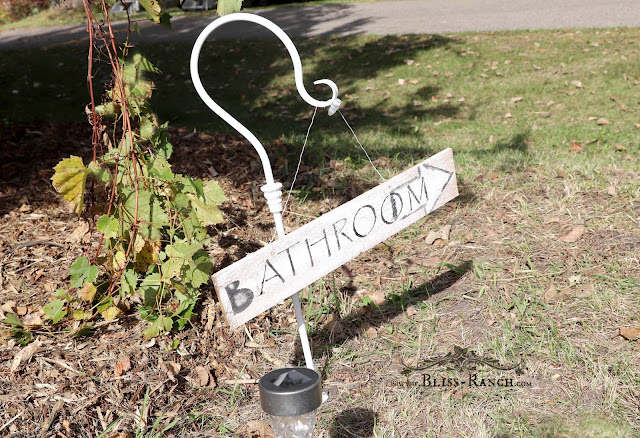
[270, 275]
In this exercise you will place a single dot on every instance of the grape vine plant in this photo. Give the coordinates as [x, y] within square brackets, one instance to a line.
[149, 222]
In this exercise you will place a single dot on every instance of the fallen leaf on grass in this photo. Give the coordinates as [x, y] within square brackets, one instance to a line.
[577, 84]
[585, 290]
[370, 331]
[24, 356]
[603, 121]
[401, 82]
[377, 297]
[203, 376]
[573, 235]
[552, 296]
[630, 333]
[417, 103]
[619, 147]
[611, 191]
[257, 429]
[442, 234]
[575, 147]
[122, 366]
[516, 99]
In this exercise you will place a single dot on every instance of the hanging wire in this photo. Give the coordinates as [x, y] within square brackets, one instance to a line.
[362, 147]
[295, 175]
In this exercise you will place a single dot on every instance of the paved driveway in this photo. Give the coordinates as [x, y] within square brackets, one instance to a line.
[385, 17]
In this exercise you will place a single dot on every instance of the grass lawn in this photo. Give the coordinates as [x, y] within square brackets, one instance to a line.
[540, 266]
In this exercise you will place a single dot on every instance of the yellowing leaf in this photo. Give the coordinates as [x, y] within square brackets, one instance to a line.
[111, 313]
[88, 292]
[147, 256]
[69, 180]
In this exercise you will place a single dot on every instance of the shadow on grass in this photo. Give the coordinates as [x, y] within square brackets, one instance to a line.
[353, 325]
[511, 154]
[353, 423]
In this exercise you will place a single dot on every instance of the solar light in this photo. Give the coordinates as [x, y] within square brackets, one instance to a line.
[290, 396]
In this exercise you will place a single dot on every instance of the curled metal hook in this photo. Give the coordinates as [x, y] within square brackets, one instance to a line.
[333, 103]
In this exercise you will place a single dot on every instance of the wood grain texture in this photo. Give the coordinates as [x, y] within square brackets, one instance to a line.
[277, 271]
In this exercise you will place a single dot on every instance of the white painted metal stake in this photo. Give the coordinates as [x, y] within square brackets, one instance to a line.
[272, 190]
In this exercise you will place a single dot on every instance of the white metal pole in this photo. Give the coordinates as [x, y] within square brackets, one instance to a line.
[272, 190]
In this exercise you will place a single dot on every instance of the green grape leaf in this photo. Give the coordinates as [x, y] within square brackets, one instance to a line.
[206, 207]
[172, 267]
[81, 314]
[150, 288]
[55, 311]
[151, 213]
[161, 141]
[226, 7]
[158, 326]
[97, 172]
[160, 168]
[12, 319]
[198, 271]
[129, 281]
[108, 226]
[148, 126]
[82, 272]
[69, 180]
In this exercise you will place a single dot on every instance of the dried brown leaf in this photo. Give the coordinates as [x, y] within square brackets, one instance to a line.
[370, 331]
[9, 307]
[32, 320]
[122, 366]
[24, 356]
[203, 375]
[80, 234]
[516, 99]
[172, 369]
[603, 121]
[585, 290]
[377, 297]
[575, 147]
[553, 296]
[630, 333]
[574, 235]
[261, 428]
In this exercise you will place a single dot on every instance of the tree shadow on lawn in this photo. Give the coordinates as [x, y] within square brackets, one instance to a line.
[353, 325]
[254, 83]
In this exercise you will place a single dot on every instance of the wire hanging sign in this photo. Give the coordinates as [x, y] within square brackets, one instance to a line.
[282, 268]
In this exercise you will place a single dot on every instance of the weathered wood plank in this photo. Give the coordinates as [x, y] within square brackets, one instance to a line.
[277, 271]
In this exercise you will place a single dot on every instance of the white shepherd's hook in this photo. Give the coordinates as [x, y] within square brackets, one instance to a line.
[271, 189]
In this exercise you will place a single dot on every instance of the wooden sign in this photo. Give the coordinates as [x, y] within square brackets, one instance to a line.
[270, 275]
